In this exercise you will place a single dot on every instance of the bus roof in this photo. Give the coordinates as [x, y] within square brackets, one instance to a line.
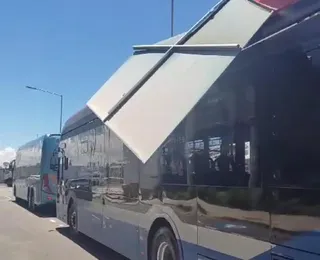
[35, 141]
[78, 119]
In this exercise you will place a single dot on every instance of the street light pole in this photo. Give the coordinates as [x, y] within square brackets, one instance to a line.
[52, 93]
[172, 16]
[61, 107]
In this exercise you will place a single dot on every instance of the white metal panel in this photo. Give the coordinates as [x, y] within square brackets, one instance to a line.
[121, 82]
[148, 118]
[235, 23]
[171, 40]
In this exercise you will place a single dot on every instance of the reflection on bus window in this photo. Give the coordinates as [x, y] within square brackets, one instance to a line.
[173, 160]
[221, 153]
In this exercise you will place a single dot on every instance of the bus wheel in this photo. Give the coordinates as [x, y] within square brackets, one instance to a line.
[73, 220]
[164, 245]
[9, 183]
[31, 204]
[15, 195]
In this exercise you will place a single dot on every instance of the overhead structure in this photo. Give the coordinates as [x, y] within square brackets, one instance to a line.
[148, 96]
[121, 82]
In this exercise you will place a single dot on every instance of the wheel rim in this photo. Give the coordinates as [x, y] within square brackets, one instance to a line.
[165, 252]
[73, 220]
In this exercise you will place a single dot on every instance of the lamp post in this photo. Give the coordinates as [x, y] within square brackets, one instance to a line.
[172, 17]
[52, 93]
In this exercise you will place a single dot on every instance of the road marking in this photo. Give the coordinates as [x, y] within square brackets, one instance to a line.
[5, 198]
[61, 225]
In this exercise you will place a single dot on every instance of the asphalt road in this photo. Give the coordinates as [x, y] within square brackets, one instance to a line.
[28, 236]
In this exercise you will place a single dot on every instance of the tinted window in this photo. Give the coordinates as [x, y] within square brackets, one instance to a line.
[216, 144]
[291, 122]
[115, 160]
[221, 151]
[173, 163]
[98, 159]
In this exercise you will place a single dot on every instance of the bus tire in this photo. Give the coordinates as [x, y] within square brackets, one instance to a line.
[73, 219]
[31, 204]
[9, 182]
[164, 245]
[15, 195]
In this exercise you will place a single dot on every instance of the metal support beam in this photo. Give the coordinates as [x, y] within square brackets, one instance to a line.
[187, 47]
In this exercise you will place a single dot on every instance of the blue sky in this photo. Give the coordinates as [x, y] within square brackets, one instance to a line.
[72, 47]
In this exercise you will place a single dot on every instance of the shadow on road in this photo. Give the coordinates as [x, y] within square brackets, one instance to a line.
[94, 248]
[41, 212]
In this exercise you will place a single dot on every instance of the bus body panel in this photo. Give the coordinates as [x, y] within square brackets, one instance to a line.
[28, 166]
[32, 166]
[120, 194]
[114, 196]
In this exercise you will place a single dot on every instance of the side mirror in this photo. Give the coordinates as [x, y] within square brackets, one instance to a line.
[6, 165]
[62, 146]
[60, 155]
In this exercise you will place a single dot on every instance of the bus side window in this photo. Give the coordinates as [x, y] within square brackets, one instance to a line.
[173, 160]
[222, 120]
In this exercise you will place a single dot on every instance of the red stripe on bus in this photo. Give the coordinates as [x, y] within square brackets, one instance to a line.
[275, 4]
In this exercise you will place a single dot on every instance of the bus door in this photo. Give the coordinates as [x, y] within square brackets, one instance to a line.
[120, 201]
[61, 166]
